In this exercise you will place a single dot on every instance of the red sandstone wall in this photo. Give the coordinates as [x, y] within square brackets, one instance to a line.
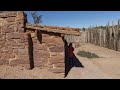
[18, 48]
[13, 40]
[48, 51]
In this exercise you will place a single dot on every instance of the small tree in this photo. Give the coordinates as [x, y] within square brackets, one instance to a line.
[37, 18]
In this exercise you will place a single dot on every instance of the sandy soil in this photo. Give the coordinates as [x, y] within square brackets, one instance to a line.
[19, 72]
[105, 67]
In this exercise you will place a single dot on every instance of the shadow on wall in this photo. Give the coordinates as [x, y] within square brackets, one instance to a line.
[68, 65]
[39, 36]
[30, 48]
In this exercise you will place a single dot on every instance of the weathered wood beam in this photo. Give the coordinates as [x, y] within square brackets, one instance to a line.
[69, 32]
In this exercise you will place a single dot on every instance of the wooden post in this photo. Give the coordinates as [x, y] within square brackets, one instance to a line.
[108, 36]
[100, 36]
[119, 39]
[104, 36]
[89, 36]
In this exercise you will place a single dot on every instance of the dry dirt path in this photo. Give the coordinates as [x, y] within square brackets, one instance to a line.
[106, 67]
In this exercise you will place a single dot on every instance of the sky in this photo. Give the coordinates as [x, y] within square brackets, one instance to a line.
[76, 19]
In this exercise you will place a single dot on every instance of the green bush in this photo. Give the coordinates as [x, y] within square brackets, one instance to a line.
[87, 54]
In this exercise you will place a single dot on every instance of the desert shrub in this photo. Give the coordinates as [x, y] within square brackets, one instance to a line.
[87, 54]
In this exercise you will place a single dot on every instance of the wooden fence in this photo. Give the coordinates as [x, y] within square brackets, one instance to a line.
[108, 36]
[77, 41]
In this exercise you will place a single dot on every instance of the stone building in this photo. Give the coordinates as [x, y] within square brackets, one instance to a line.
[31, 45]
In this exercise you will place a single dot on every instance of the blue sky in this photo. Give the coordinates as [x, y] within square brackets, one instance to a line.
[78, 19]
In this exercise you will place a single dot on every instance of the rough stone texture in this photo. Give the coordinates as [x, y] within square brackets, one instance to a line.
[57, 70]
[10, 19]
[16, 35]
[0, 54]
[60, 65]
[49, 53]
[7, 30]
[41, 54]
[3, 62]
[13, 48]
[56, 59]
[41, 62]
[57, 48]
[19, 46]
[41, 47]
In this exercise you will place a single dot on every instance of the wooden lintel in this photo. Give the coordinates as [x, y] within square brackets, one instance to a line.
[54, 30]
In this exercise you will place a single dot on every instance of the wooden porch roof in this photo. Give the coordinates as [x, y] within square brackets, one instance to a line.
[55, 29]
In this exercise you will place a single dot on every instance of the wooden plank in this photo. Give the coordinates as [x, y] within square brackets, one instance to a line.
[54, 27]
[54, 30]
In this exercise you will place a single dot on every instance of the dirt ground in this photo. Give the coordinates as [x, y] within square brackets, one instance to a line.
[19, 72]
[105, 67]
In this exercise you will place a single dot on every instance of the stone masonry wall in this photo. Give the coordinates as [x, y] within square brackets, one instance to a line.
[19, 46]
[48, 51]
[13, 40]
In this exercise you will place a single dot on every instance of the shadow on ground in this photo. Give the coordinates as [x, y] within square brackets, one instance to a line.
[68, 67]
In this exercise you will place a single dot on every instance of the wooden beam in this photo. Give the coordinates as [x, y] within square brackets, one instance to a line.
[69, 32]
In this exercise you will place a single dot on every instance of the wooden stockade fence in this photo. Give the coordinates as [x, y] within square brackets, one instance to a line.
[108, 36]
[71, 38]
